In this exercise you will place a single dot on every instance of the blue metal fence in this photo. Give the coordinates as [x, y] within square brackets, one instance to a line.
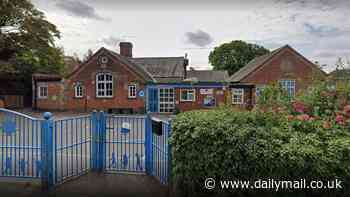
[20, 143]
[57, 150]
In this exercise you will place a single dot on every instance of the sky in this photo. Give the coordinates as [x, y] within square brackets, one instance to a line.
[318, 29]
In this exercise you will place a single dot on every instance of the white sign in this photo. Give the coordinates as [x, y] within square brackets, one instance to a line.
[125, 127]
[206, 91]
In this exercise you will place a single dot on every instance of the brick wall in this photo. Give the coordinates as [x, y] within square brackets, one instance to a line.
[54, 100]
[218, 94]
[86, 76]
[122, 77]
[286, 65]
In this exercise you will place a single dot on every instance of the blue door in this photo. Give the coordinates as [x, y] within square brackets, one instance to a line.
[153, 99]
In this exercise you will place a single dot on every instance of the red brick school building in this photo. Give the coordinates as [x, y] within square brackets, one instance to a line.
[122, 83]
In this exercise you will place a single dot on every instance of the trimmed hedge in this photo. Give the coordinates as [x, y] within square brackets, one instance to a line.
[226, 144]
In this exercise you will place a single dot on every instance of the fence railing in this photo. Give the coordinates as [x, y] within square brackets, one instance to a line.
[57, 150]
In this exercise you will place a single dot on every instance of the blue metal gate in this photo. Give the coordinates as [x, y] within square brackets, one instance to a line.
[58, 150]
[160, 153]
[125, 143]
[72, 147]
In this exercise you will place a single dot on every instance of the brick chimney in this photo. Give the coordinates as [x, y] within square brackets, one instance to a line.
[125, 49]
[185, 66]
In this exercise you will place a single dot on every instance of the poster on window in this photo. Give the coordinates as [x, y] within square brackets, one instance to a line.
[209, 101]
[206, 91]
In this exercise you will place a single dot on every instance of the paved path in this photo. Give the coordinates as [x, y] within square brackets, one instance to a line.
[116, 185]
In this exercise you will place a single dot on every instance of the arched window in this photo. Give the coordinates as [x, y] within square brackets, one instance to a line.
[104, 85]
[79, 92]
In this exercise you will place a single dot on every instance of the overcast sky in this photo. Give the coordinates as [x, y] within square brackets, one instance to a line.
[319, 29]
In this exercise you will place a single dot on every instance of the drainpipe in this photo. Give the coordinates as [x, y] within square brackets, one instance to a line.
[34, 84]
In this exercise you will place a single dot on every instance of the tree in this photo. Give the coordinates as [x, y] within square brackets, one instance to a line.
[88, 54]
[27, 39]
[234, 55]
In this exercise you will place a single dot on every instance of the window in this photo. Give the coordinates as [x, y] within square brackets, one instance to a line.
[188, 95]
[104, 85]
[289, 86]
[166, 100]
[79, 91]
[42, 91]
[132, 91]
[258, 90]
[237, 96]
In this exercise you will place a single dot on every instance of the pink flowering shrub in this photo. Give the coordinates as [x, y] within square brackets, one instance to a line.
[319, 106]
[299, 107]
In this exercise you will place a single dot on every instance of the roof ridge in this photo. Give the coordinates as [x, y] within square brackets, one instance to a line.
[132, 63]
[177, 57]
[251, 65]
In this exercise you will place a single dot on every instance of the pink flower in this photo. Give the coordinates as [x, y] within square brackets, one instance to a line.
[290, 117]
[327, 125]
[340, 119]
[299, 107]
[346, 110]
[303, 117]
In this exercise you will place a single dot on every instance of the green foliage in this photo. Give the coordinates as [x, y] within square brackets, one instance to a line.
[272, 97]
[27, 39]
[48, 61]
[281, 139]
[24, 27]
[234, 55]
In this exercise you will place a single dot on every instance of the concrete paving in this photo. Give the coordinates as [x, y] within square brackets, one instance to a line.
[92, 184]
[112, 185]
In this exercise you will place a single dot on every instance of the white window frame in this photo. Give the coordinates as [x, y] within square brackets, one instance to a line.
[188, 91]
[166, 103]
[285, 84]
[129, 90]
[77, 91]
[240, 95]
[40, 96]
[105, 82]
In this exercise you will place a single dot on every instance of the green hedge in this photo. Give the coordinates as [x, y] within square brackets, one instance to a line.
[226, 144]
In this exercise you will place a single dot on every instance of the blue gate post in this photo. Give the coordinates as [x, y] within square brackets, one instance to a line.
[47, 151]
[94, 141]
[102, 141]
[149, 146]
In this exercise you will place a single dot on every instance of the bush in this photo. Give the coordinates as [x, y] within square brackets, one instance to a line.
[226, 144]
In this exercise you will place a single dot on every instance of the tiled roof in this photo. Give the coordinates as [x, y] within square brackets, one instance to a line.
[340, 74]
[208, 75]
[71, 63]
[254, 64]
[260, 61]
[46, 77]
[169, 79]
[136, 67]
[163, 67]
